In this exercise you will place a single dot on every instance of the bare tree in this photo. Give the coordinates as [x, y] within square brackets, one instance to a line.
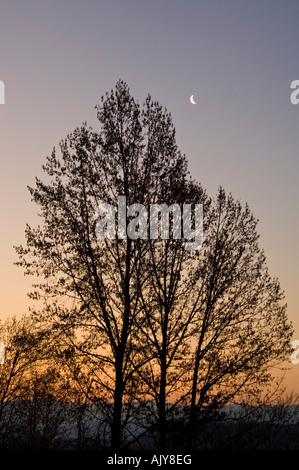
[22, 342]
[35, 419]
[149, 317]
[241, 332]
[134, 156]
[169, 309]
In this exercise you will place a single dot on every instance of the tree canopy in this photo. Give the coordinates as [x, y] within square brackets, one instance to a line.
[161, 327]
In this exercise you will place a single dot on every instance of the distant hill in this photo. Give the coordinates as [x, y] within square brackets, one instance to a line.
[46, 424]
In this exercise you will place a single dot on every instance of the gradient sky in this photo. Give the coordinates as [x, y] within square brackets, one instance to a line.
[237, 57]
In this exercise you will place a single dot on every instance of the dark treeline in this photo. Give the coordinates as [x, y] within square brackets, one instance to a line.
[49, 401]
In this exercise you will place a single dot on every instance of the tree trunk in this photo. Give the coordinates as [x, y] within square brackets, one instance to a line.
[119, 360]
[117, 409]
[192, 419]
[162, 409]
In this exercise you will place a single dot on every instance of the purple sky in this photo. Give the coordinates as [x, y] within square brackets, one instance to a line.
[237, 57]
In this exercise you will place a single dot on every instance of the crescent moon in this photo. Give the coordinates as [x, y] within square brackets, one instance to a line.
[192, 99]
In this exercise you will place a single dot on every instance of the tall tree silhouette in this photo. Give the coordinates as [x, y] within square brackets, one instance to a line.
[241, 328]
[134, 155]
[166, 323]
[147, 311]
